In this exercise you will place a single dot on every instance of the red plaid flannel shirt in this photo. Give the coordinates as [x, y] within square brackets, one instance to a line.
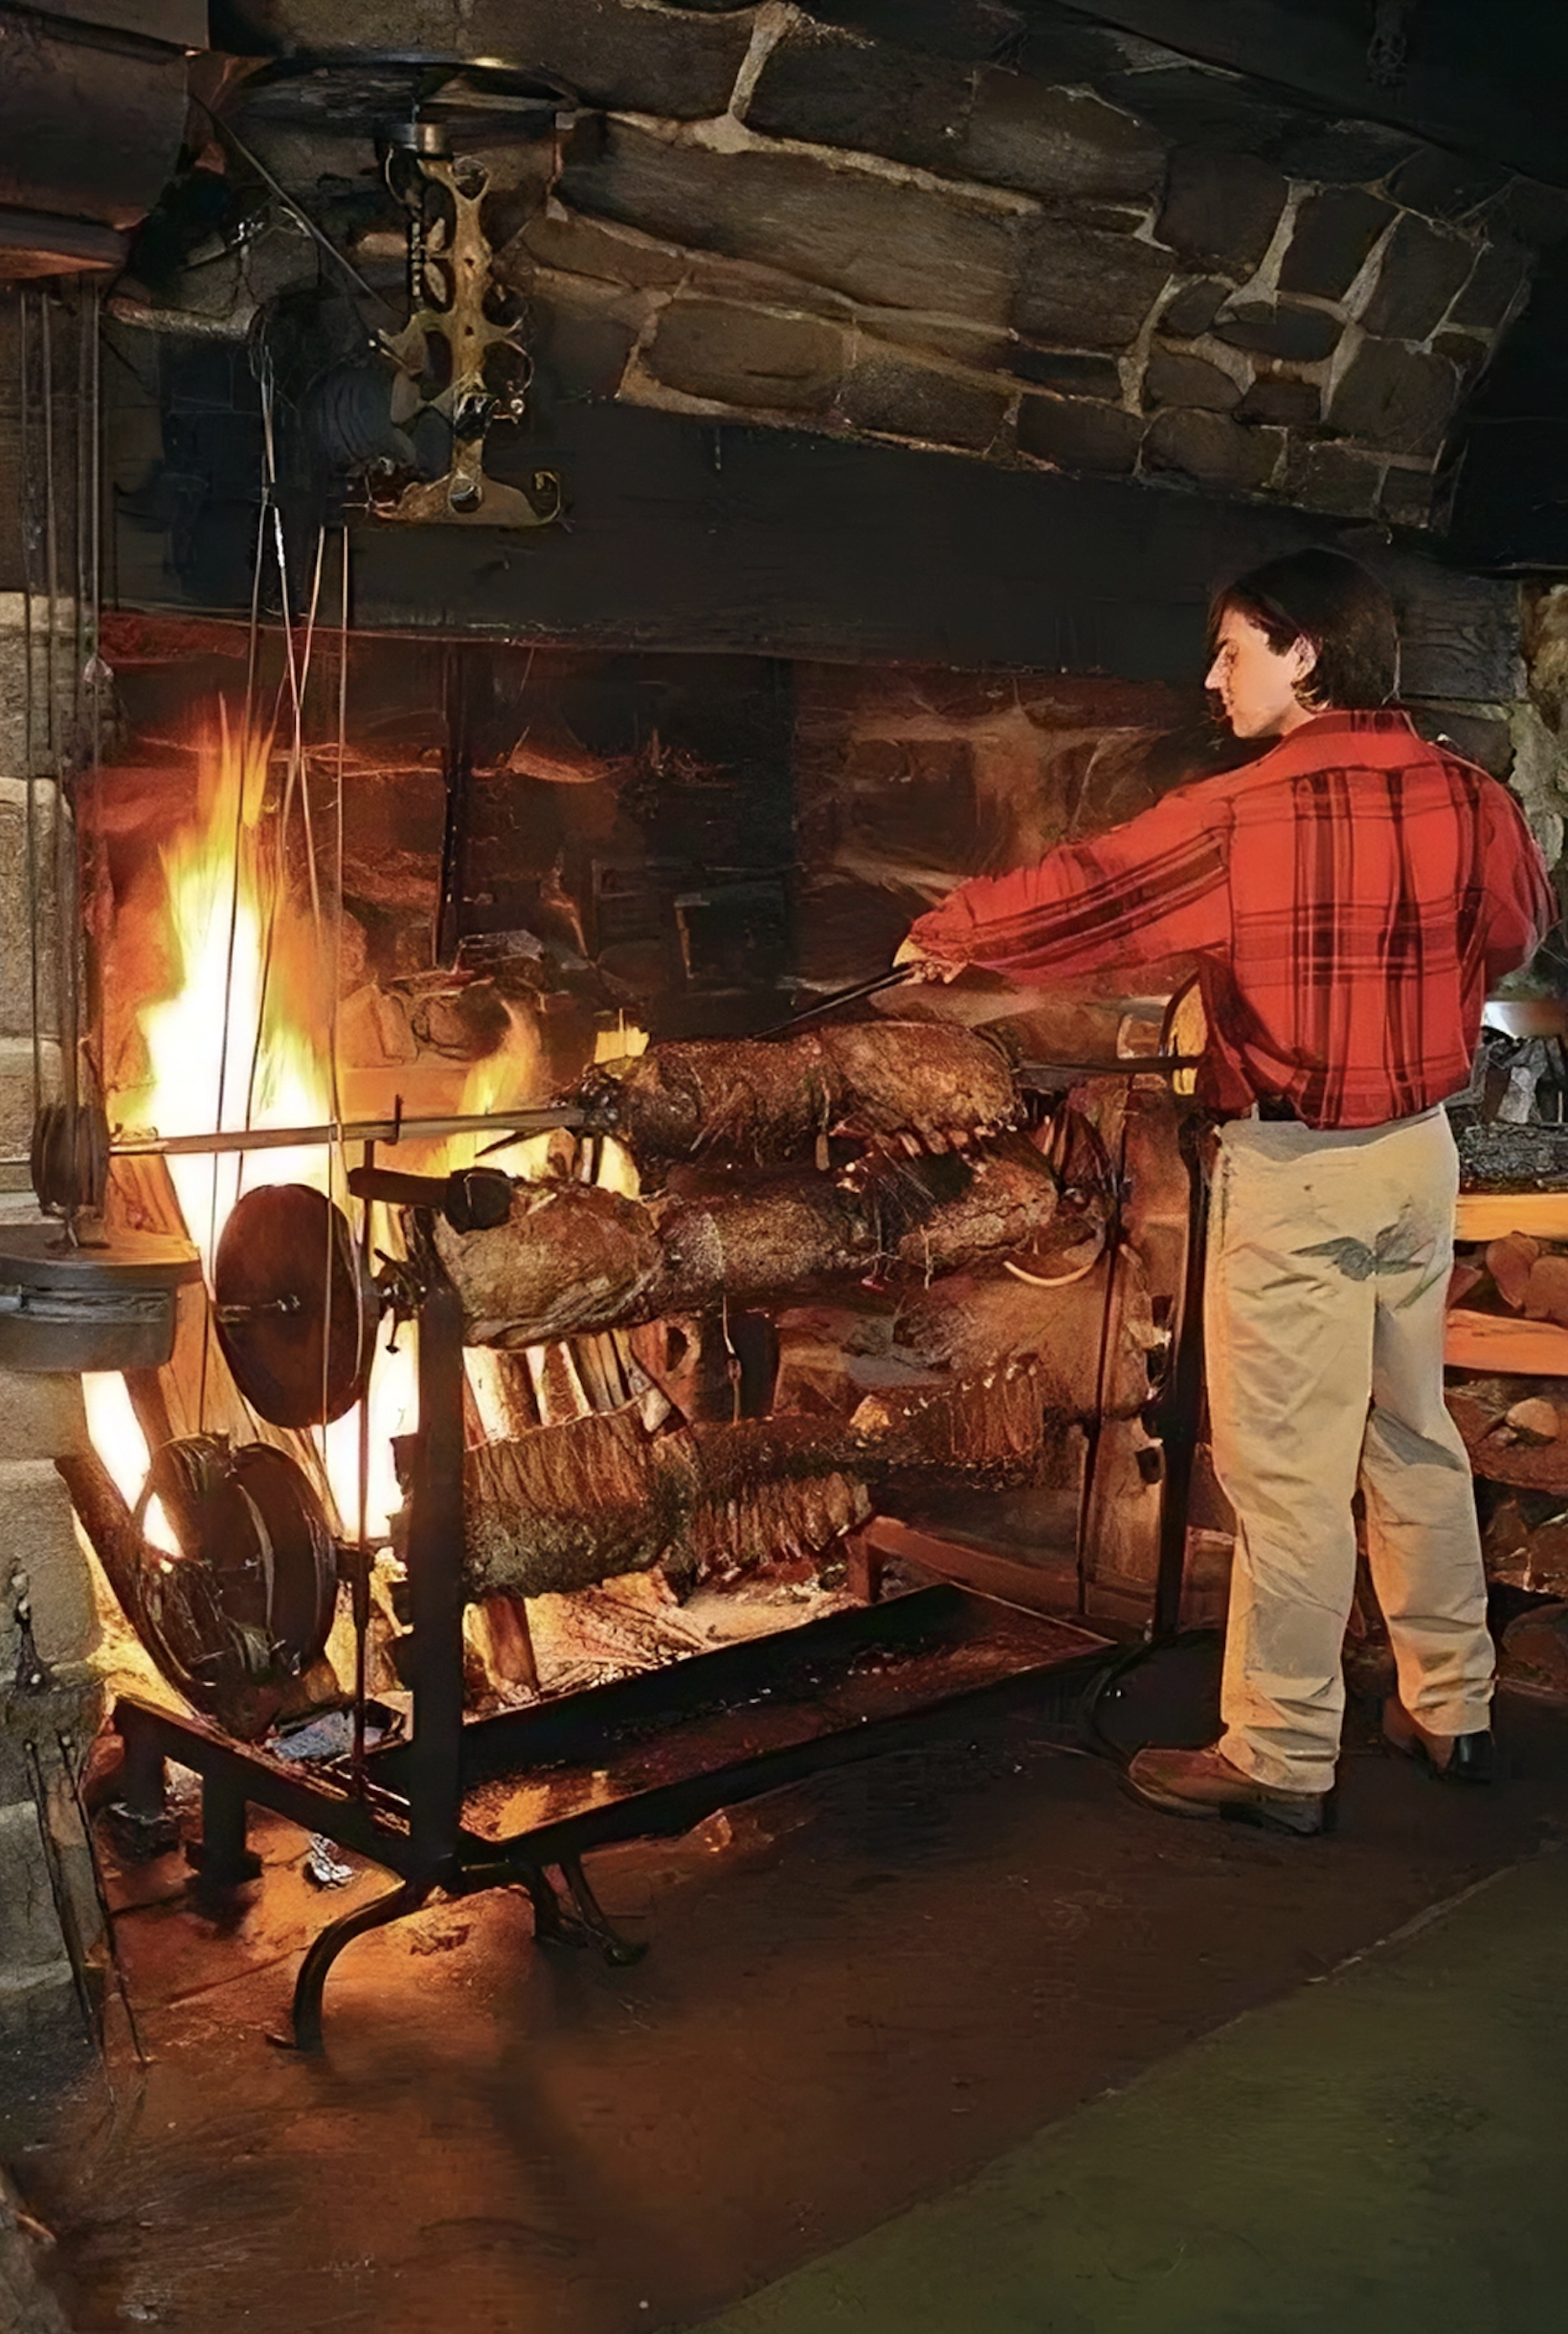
[1350, 899]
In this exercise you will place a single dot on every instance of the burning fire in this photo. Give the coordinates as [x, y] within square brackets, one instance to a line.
[245, 1039]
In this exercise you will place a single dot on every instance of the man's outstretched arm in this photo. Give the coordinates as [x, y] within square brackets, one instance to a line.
[1152, 888]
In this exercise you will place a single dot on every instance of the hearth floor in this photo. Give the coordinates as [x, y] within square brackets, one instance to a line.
[861, 1994]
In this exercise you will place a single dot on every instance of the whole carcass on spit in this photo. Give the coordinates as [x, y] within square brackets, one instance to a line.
[760, 1103]
[571, 1258]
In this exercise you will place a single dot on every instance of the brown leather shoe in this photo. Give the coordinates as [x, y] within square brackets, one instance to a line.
[1470, 1758]
[1201, 1784]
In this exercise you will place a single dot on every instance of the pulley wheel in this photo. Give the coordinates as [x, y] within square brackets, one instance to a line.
[70, 1158]
[245, 1607]
[296, 1310]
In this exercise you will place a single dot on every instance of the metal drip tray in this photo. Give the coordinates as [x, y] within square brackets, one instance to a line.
[104, 1305]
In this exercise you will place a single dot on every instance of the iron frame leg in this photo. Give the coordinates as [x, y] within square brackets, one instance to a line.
[222, 1856]
[620, 1952]
[305, 2016]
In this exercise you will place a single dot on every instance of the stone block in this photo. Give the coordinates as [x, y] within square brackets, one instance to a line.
[1330, 478]
[1498, 276]
[41, 1416]
[1464, 350]
[16, 1101]
[1331, 241]
[1279, 329]
[18, 922]
[32, 1949]
[40, 1539]
[1077, 373]
[1171, 378]
[1212, 451]
[1397, 397]
[15, 727]
[1192, 106]
[1534, 213]
[747, 356]
[887, 392]
[1291, 404]
[1406, 497]
[1078, 436]
[1421, 269]
[1339, 153]
[1195, 308]
[1085, 285]
[837, 88]
[883, 244]
[578, 352]
[556, 237]
[1220, 209]
[1444, 186]
[1058, 142]
[679, 62]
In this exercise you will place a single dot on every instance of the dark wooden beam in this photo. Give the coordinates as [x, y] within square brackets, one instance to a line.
[685, 535]
[1483, 79]
[774, 542]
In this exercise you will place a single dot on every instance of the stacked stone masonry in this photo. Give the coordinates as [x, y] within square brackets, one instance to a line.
[1029, 237]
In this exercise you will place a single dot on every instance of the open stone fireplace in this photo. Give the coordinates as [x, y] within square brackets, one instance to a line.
[907, 402]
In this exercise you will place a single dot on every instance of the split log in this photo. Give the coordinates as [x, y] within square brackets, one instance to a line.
[1502, 1419]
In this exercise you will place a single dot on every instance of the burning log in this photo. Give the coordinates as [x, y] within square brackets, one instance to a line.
[761, 1103]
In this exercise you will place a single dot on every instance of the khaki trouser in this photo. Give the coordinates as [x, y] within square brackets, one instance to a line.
[1327, 1269]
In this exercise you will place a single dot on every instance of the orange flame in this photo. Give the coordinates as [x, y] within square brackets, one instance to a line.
[245, 1038]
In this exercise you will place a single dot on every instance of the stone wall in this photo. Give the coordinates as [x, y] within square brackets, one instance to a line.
[50, 1696]
[1052, 244]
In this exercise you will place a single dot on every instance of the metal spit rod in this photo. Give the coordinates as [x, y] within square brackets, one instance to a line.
[540, 1120]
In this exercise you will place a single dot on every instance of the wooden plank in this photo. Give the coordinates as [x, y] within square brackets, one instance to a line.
[1508, 1345]
[1492, 1215]
[1030, 1588]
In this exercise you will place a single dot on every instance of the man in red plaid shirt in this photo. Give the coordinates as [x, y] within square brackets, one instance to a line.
[1350, 897]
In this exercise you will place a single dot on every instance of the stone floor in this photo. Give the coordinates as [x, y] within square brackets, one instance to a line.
[861, 1994]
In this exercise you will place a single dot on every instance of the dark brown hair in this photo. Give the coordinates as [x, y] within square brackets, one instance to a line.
[1331, 600]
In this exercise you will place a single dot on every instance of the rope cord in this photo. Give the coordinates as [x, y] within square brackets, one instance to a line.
[30, 739]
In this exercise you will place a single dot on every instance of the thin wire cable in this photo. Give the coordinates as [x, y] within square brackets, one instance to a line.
[30, 738]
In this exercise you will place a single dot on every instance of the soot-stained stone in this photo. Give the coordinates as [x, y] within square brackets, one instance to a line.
[611, 54]
[1086, 284]
[1171, 378]
[577, 353]
[898, 246]
[1462, 349]
[837, 89]
[1333, 233]
[1406, 499]
[1058, 142]
[886, 391]
[1421, 270]
[1488, 297]
[1390, 396]
[1195, 308]
[1079, 372]
[1333, 477]
[1292, 404]
[557, 238]
[1078, 436]
[1537, 215]
[1220, 209]
[1444, 186]
[1192, 107]
[1298, 336]
[743, 356]
[974, 31]
[1339, 153]
[1212, 451]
